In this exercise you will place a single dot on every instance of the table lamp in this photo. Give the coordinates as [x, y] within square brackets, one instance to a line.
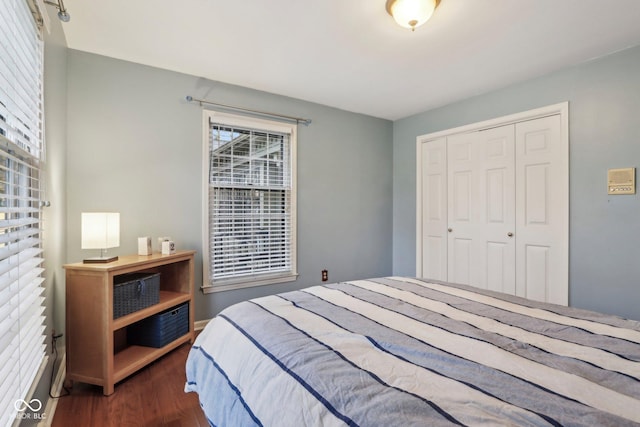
[100, 230]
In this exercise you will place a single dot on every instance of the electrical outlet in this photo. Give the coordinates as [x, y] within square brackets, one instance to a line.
[325, 275]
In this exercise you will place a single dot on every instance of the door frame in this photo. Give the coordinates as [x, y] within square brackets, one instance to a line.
[561, 109]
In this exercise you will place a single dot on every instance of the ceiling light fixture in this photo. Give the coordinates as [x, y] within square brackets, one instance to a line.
[411, 13]
[62, 11]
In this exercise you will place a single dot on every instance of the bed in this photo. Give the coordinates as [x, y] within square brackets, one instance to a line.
[399, 351]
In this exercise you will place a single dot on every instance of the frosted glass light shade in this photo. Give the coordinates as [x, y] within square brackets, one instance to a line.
[100, 230]
[411, 13]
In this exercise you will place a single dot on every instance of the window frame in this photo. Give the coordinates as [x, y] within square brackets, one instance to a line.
[246, 122]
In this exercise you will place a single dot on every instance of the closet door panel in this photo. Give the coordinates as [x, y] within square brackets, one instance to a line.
[497, 208]
[536, 194]
[434, 209]
[496, 197]
[481, 209]
[462, 208]
[462, 183]
[542, 211]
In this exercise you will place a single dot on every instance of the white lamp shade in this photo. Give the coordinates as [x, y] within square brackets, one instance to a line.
[100, 230]
[412, 13]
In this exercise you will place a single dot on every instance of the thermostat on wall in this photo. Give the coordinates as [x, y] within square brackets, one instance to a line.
[622, 181]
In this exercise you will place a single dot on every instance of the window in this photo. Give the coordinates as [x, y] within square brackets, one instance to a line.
[250, 224]
[22, 348]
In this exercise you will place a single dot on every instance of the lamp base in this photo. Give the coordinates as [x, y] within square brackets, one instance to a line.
[99, 260]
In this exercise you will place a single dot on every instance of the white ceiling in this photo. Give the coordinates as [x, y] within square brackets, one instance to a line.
[350, 54]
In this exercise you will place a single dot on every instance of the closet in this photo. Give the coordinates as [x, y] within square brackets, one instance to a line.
[493, 205]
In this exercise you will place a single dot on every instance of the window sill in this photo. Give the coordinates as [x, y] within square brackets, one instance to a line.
[248, 283]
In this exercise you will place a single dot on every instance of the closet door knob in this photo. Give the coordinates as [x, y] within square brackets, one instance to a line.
[510, 234]
[449, 230]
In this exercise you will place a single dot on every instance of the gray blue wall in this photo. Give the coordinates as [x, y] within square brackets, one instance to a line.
[135, 146]
[604, 133]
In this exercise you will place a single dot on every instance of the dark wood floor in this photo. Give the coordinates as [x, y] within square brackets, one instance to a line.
[152, 397]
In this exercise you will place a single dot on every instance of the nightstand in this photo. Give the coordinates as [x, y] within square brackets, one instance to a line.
[96, 344]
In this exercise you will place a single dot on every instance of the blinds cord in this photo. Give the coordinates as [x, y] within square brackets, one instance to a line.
[53, 368]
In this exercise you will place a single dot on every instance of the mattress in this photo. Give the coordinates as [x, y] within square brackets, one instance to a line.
[399, 351]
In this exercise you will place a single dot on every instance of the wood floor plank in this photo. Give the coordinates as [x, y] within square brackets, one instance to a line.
[154, 396]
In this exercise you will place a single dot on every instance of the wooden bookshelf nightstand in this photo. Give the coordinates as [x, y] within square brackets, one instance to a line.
[96, 343]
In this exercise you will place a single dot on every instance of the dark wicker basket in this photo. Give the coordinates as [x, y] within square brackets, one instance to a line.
[135, 291]
[160, 329]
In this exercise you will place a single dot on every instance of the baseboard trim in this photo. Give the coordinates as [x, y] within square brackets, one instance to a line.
[200, 324]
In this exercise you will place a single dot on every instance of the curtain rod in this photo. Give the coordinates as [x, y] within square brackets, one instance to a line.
[305, 122]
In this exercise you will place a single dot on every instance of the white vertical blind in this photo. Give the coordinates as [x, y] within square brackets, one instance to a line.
[251, 224]
[22, 348]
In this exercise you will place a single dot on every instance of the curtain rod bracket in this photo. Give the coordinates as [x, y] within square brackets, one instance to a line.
[305, 122]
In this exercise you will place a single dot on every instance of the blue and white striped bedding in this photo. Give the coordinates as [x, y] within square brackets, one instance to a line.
[407, 352]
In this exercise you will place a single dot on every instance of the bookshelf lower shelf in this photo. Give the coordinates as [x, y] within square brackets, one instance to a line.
[135, 357]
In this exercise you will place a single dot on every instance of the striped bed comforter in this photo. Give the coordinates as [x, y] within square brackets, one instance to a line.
[407, 352]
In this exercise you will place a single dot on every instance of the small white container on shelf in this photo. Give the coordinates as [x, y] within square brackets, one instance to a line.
[161, 240]
[144, 245]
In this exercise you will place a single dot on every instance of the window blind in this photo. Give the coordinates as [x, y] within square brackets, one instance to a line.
[22, 348]
[251, 227]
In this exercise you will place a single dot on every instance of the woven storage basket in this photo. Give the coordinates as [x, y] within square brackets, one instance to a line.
[160, 329]
[135, 291]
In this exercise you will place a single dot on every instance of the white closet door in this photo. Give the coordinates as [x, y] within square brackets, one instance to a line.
[542, 206]
[503, 187]
[496, 196]
[434, 209]
[481, 209]
[462, 209]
